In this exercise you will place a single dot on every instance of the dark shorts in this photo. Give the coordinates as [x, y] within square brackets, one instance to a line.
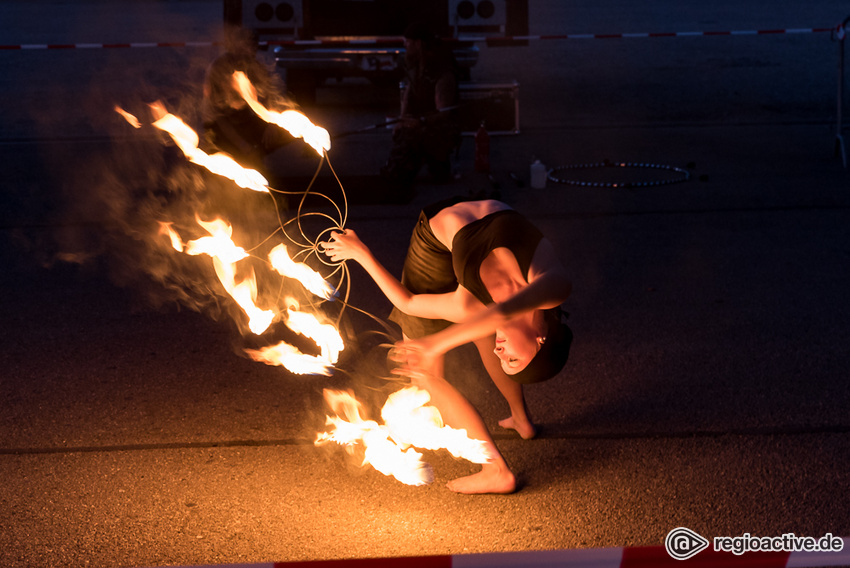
[427, 270]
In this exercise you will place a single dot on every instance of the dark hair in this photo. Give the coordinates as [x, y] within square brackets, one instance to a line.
[418, 30]
[553, 354]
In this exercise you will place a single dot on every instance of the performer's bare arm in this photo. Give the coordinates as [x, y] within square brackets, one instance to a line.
[548, 288]
[451, 306]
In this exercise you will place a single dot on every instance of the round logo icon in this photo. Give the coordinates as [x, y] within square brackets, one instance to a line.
[683, 543]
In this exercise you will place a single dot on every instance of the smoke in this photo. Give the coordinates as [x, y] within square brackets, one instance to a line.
[115, 193]
[111, 187]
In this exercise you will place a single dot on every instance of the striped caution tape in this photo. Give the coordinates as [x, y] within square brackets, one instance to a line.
[625, 557]
[495, 41]
[839, 30]
[38, 46]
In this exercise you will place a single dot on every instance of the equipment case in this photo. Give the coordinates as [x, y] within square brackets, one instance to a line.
[494, 104]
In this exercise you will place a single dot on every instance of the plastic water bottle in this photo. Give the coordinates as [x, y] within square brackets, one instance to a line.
[538, 175]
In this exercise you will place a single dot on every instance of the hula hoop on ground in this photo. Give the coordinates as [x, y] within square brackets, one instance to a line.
[683, 174]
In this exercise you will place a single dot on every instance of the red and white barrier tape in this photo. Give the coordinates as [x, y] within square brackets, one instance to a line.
[36, 46]
[628, 557]
[397, 41]
[659, 34]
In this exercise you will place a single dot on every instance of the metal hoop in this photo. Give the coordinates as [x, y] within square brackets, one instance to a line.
[684, 175]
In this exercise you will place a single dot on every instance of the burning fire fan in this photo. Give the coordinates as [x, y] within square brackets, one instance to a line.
[408, 421]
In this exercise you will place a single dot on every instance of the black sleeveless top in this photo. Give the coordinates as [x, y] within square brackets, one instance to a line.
[475, 241]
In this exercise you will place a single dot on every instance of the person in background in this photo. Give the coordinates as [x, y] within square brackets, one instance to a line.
[230, 125]
[428, 130]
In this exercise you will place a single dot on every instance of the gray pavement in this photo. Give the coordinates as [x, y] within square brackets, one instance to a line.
[707, 385]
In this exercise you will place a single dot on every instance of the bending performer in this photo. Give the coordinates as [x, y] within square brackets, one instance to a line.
[475, 271]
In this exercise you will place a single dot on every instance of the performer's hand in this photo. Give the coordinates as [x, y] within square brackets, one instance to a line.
[344, 245]
[407, 121]
[416, 357]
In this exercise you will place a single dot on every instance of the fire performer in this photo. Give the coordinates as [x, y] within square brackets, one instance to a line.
[229, 124]
[475, 268]
[428, 131]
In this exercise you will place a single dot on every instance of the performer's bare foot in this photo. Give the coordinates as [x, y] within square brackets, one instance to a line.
[525, 429]
[490, 479]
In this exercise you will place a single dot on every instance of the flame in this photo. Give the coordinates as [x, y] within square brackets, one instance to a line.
[218, 244]
[292, 121]
[225, 255]
[284, 355]
[412, 423]
[245, 294]
[176, 241]
[312, 280]
[380, 452]
[325, 335]
[408, 423]
[134, 122]
[219, 163]
[289, 357]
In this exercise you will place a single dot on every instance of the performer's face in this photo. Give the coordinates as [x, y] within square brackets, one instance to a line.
[516, 344]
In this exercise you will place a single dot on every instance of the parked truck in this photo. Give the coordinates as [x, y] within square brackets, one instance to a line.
[317, 40]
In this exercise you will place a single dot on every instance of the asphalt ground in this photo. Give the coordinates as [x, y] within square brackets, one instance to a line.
[707, 386]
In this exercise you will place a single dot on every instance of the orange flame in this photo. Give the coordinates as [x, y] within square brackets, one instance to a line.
[311, 279]
[218, 244]
[408, 423]
[134, 122]
[225, 255]
[282, 354]
[176, 241]
[245, 294]
[290, 358]
[412, 423]
[290, 120]
[219, 163]
[325, 335]
[383, 454]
